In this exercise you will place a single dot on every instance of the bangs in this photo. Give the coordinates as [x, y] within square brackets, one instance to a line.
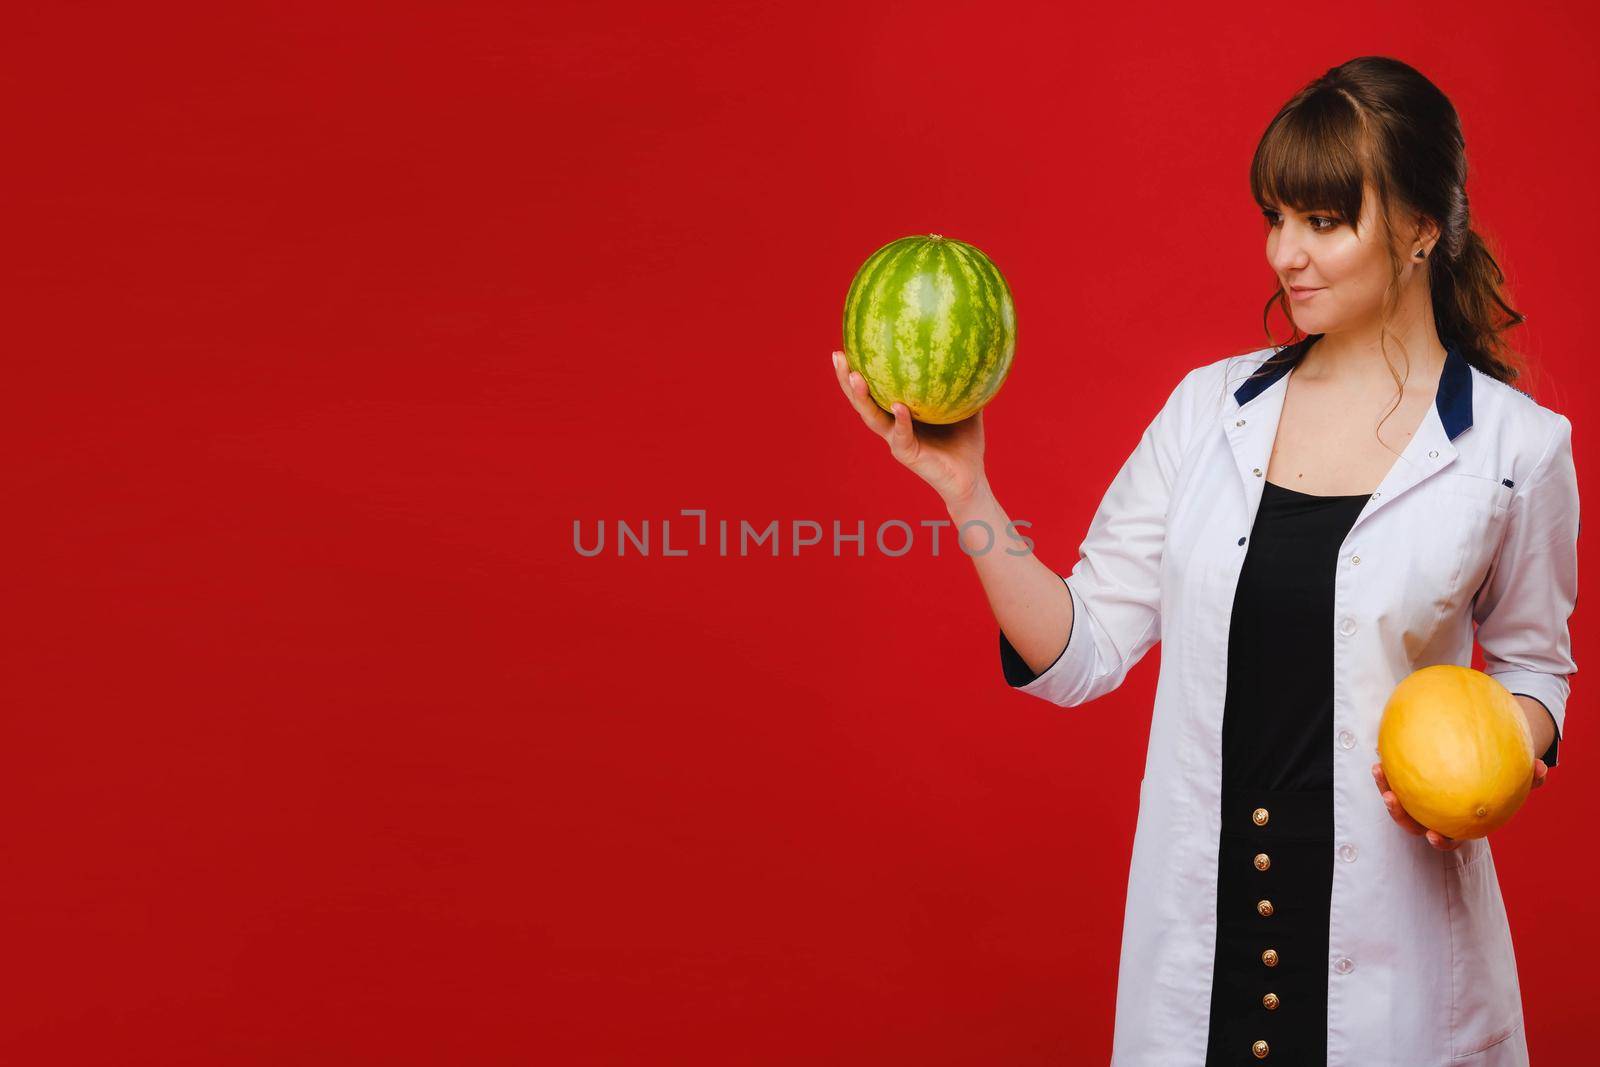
[1311, 158]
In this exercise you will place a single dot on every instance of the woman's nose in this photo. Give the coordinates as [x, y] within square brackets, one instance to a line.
[1287, 255]
[1288, 252]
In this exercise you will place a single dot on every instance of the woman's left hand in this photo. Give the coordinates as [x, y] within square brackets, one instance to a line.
[1412, 826]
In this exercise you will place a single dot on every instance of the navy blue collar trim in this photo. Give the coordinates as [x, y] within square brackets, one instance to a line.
[1454, 398]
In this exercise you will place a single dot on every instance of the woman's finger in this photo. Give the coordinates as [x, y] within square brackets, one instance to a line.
[838, 372]
[875, 417]
[1443, 843]
[1540, 773]
[841, 374]
[1379, 778]
[902, 438]
[1391, 802]
[855, 387]
[1401, 817]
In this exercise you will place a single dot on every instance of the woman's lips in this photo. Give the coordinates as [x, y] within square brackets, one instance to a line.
[1303, 294]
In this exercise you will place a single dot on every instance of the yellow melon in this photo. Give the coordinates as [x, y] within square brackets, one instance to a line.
[1456, 749]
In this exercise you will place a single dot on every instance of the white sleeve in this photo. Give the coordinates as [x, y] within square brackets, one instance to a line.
[1116, 584]
[1532, 586]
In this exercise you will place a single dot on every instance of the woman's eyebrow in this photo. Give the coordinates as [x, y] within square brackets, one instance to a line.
[1308, 211]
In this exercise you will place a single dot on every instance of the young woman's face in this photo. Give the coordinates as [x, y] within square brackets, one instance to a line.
[1344, 270]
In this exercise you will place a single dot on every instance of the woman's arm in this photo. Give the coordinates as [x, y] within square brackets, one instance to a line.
[1072, 637]
[1540, 724]
[1531, 591]
[1029, 600]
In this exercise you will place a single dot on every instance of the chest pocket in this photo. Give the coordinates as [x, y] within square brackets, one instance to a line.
[1478, 506]
[1445, 533]
[1492, 491]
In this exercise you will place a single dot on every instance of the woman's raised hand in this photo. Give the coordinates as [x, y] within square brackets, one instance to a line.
[949, 458]
[1412, 826]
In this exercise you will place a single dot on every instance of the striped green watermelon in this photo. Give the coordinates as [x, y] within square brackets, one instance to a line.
[928, 321]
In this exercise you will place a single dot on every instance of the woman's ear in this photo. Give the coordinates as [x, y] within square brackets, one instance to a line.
[1427, 233]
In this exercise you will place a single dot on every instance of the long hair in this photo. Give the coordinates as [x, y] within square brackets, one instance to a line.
[1377, 120]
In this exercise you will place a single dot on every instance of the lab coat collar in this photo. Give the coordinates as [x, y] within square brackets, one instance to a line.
[1453, 400]
[1252, 428]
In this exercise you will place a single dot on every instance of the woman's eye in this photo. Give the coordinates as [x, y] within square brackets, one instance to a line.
[1272, 220]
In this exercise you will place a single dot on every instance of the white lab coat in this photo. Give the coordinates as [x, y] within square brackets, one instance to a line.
[1477, 521]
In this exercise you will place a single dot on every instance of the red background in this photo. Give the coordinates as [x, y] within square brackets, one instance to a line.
[322, 744]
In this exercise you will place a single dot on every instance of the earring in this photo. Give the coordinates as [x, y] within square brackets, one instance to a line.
[1420, 254]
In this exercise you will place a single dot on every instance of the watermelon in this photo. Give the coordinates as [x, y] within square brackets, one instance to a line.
[928, 321]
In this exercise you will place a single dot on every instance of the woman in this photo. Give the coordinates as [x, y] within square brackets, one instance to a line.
[1301, 534]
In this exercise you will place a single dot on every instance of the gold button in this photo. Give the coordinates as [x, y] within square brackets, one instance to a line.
[1260, 1049]
[1270, 1002]
[1265, 908]
[1263, 861]
[1260, 816]
[1270, 957]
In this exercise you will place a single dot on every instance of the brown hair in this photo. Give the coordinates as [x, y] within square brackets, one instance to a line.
[1377, 120]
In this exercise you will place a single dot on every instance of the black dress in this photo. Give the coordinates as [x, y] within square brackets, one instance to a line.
[1275, 867]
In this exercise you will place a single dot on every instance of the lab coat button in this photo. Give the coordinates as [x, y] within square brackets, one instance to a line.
[1356, 560]
[1347, 853]
[1263, 861]
[1344, 965]
[1241, 540]
[1259, 816]
[1239, 423]
[1433, 453]
[1270, 1002]
[1265, 908]
[1256, 471]
[1270, 957]
[1347, 740]
[1260, 1049]
[1347, 627]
